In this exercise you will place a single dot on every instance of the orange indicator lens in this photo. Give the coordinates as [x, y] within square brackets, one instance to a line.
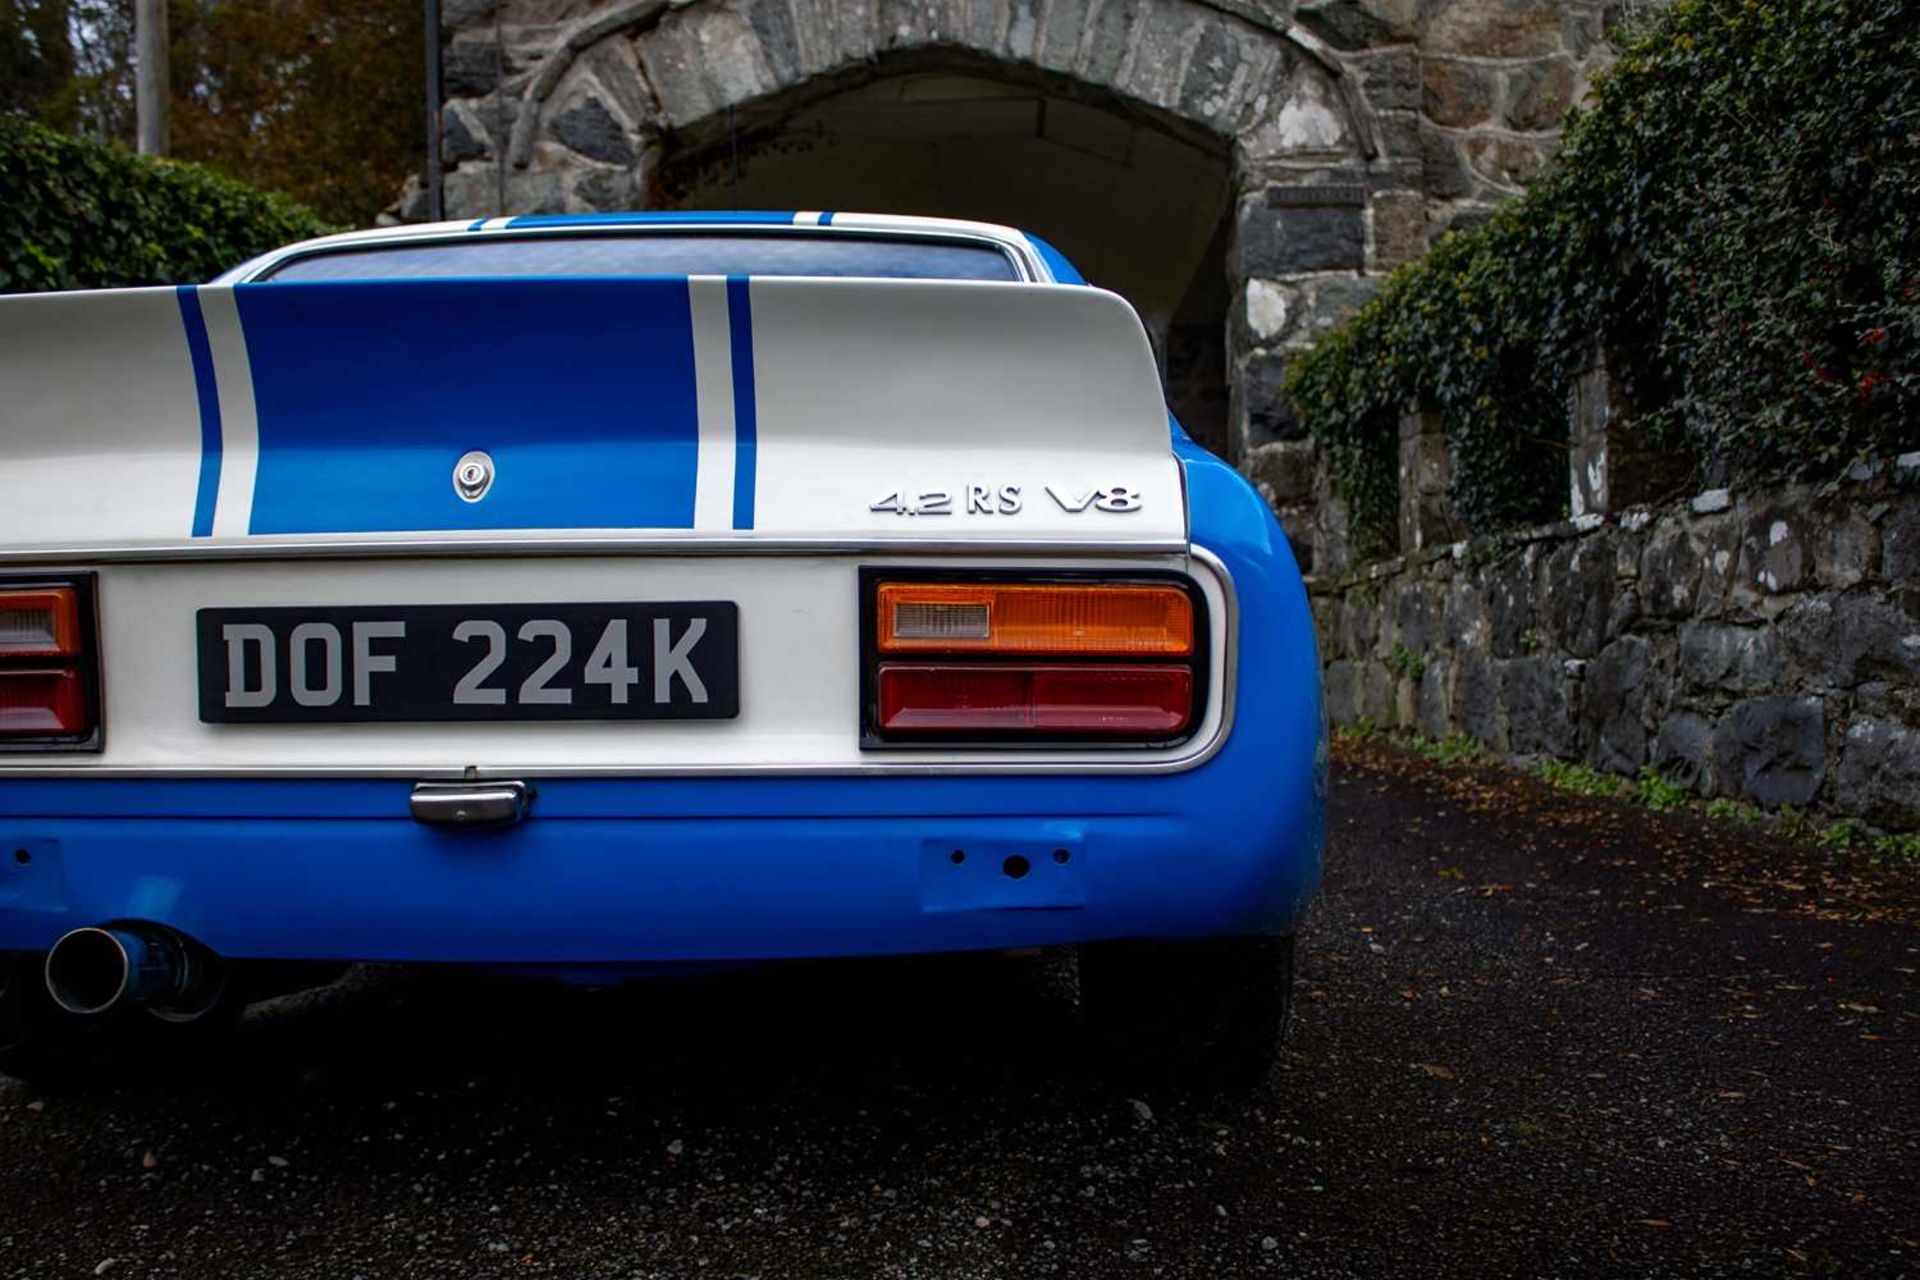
[1118, 619]
[43, 623]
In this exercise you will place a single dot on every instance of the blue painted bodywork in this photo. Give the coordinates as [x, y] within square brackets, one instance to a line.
[643, 871]
[206, 390]
[746, 430]
[655, 218]
[387, 351]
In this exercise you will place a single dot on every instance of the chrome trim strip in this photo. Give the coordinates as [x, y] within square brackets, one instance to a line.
[1025, 260]
[1197, 752]
[357, 547]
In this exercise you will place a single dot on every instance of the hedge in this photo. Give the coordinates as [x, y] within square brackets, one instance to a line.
[1734, 220]
[76, 214]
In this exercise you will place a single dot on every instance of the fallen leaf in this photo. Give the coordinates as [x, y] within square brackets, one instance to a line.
[1437, 1071]
[1653, 1222]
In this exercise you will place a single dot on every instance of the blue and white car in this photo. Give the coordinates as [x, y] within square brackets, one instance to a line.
[606, 594]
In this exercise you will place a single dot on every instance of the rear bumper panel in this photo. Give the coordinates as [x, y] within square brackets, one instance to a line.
[660, 870]
[610, 870]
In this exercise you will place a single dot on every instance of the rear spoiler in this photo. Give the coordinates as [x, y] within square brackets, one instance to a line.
[760, 409]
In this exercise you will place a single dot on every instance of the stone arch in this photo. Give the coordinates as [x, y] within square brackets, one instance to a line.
[1215, 65]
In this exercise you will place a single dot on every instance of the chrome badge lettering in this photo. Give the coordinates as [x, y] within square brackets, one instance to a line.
[1006, 500]
[1112, 498]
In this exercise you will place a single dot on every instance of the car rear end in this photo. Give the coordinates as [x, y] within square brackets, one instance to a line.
[596, 623]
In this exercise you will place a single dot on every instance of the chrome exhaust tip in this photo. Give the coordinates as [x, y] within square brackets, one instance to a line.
[97, 968]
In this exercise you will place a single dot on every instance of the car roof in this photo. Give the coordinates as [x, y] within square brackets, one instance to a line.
[1040, 261]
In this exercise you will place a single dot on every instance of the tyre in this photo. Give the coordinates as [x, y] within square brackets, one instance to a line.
[1212, 1011]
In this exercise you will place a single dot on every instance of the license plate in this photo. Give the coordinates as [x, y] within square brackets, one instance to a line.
[677, 661]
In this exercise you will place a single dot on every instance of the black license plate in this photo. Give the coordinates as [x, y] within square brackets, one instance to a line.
[676, 661]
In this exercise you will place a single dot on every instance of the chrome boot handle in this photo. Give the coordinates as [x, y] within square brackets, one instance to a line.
[470, 804]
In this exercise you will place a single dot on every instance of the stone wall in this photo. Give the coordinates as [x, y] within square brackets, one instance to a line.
[1763, 646]
[1466, 99]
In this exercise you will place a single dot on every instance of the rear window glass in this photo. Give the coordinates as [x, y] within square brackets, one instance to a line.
[659, 255]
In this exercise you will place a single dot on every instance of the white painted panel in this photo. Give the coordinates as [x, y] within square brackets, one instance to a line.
[239, 425]
[865, 391]
[99, 421]
[882, 387]
[713, 402]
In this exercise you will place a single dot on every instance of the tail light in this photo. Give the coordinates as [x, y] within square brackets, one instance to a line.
[49, 689]
[951, 659]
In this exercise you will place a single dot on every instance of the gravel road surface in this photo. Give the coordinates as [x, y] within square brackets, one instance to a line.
[1534, 1035]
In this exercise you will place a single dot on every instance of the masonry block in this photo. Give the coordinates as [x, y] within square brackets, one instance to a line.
[1613, 463]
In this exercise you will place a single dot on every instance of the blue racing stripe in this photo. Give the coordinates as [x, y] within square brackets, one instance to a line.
[671, 217]
[477, 224]
[826, 219]
[745, 424]
[208, 392]
[367, 392]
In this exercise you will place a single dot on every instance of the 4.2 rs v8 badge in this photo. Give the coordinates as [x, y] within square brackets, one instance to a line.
[1006, 500]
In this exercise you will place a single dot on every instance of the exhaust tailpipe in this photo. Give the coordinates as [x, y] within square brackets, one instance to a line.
[95, 969]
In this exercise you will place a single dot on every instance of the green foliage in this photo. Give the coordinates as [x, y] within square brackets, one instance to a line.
[1649, 789]
[1793, 822]
[1455, 749]
[1733, 220]
[36, 56]
[1581, 780]
[1403, 661]
[81, 215]
[1458, 748]
[1892, 847]
[1732, 810]
[68, 64]
[321, 99]
[1844, 834]
[1656, 791]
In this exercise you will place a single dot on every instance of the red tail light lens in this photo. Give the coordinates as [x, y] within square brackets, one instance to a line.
[1136, 701]
[50, 704]
[49, 698]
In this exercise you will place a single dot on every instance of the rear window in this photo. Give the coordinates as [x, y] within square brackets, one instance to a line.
[659, 255]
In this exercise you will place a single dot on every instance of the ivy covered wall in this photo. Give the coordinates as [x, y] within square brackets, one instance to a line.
[1731, 227]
